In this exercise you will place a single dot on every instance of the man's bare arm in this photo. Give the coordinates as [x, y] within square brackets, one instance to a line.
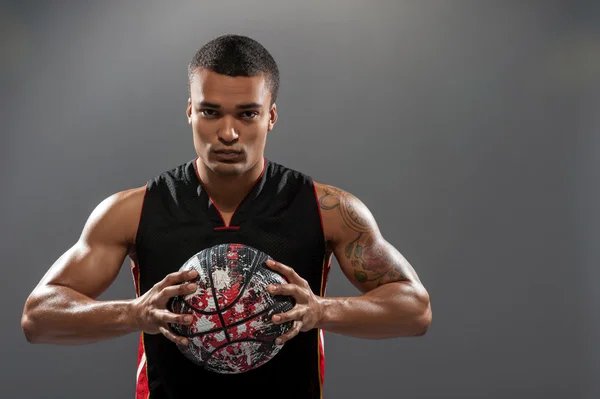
[63, 309]
[394, 302]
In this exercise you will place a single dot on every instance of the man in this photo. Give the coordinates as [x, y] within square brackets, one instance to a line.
[229, 193]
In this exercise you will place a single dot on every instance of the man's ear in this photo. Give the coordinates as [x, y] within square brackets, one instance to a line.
[272, 117]
[188, 111]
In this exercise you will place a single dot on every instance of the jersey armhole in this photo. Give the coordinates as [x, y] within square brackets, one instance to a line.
[325, 243]
[139, 231]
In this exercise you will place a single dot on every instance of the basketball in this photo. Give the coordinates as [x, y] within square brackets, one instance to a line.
[232, 331]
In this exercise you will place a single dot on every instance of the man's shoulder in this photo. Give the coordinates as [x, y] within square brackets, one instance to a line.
[123, 202]
[342, 211]
[330, 191]
[117, 215]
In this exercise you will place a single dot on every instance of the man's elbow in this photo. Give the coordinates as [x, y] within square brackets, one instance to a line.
[423, 324]
[29, 326]
[423, 319]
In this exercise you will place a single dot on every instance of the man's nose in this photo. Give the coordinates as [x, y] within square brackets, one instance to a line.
[227, 132]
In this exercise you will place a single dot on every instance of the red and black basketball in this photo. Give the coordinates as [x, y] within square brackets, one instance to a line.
[232, 331]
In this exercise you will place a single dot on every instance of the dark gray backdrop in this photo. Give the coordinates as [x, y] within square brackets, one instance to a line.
[470, 129]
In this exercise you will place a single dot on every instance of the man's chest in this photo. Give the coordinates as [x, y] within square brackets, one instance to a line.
[296, 242]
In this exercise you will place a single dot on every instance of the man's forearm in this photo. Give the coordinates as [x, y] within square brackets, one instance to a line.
[391, 310]
[62, 316]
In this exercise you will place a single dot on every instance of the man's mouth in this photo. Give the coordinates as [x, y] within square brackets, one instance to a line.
[227, 155]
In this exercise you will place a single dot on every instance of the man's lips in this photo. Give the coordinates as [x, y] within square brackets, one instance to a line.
[227, 154]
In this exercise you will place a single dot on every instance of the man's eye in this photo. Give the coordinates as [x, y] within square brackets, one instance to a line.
[250, 114]
[208, 112]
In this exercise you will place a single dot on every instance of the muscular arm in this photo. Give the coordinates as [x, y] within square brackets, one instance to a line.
[394, 302]
[62, 308]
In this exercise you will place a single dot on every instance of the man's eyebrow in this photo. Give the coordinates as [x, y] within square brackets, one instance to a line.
[249, 106]
[208, 105]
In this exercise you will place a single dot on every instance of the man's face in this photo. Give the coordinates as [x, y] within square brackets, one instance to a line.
[230, 118]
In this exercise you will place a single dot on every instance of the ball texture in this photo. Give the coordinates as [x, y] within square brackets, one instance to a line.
[232, 331]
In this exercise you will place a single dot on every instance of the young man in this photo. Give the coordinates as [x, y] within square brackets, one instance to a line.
[229, 193]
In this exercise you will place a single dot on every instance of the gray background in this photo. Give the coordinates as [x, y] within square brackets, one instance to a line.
[470, 129]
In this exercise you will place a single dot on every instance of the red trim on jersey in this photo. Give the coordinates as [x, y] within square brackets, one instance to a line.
[142, 390]
[135, 272]
[321, 337]
[319, 209]
[227, 228]
[324, 274]
[225, 225]
[321, 360]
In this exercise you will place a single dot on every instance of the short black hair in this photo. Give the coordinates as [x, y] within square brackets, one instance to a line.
[236, 55]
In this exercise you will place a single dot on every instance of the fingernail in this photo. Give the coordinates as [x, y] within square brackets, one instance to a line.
[270, 262]
[183, 341]
[276, 318]
[192, 273]
[272, 288]
[278, 341]
[187, 319]
[192, 286]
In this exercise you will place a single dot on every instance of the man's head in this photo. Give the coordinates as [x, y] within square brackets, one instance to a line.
[233, 83]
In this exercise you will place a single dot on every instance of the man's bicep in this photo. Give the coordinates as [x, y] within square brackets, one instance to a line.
[92, 264]
[87, 269]
[365, 257]
[369, 261]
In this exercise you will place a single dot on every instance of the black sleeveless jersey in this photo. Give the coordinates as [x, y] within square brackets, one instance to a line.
[280, 216]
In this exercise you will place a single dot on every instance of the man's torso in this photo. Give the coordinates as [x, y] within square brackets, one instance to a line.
[279, 216]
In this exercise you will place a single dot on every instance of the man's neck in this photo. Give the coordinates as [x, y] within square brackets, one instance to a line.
[228, 191]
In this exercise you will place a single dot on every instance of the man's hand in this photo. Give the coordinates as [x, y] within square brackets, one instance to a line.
[150, 310]
[308, 310]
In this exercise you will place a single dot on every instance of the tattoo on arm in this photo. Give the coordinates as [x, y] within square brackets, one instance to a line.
[373, 260]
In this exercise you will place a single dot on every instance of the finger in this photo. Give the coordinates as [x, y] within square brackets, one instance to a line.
[290, 334]
[176, 278]
[164, 296]
[164, 316]
[172, 337]
[287, 272]
[296, 313]
[176, 290]
[292, 290]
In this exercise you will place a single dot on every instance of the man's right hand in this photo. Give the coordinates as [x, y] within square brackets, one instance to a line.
[150, 310]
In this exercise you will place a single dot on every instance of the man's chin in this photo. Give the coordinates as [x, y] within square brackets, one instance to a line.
[228, 168]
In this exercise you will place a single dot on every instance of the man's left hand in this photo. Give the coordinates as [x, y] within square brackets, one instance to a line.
[309, 308]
